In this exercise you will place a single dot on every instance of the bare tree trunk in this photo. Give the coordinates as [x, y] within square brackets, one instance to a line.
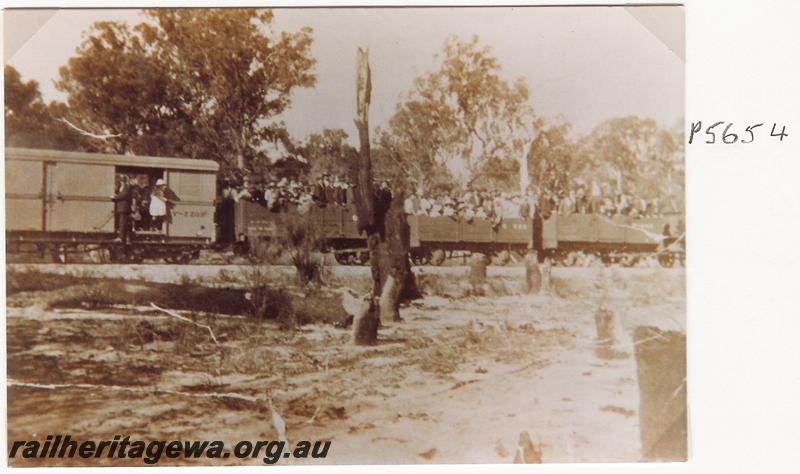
[381, 217]
[524, 174]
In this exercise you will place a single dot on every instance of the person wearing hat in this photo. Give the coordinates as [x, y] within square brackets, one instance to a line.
[141, 203]
[123, 205]
[319, 194]
[158, 205]
[330, 191]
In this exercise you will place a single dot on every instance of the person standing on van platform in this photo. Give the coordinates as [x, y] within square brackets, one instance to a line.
[158, 205]
[122, 208]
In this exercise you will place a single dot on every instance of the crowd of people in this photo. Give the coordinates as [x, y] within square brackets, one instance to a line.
[592, 198]
[279, 194]
[140, 206]
[496, 205]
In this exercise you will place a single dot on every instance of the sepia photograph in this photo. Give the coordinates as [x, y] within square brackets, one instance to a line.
[339, 236]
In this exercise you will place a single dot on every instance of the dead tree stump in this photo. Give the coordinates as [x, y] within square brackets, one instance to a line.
[477, 269]
[388, 303]
[546, 268]
[604, 321]
[527, 451]
[365, 324]
[661, 369]
[533, 275]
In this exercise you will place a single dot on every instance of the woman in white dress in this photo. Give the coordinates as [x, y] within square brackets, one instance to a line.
[158, 205]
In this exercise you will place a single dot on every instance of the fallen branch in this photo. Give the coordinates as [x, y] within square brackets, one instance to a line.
[187, 320]
[89, 386]
[89, 134]
[314, 416]
[277, 420]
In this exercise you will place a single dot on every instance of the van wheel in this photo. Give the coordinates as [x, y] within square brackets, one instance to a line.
[135, 255]
[421, 258]
[341, 258]
[437, 257]
[666, 259]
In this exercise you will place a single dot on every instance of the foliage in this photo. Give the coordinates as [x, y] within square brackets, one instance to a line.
[553, 157]
[304, 244]
[266, 302]
[638, 157]
[201, 83]
[327, 152]
[29, 122]
[463, 116]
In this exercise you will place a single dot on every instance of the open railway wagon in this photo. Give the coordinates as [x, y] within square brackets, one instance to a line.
[565, 240]
[258, 228]
[59, 203]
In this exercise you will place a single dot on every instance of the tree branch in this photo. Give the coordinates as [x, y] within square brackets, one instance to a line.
[90, 134]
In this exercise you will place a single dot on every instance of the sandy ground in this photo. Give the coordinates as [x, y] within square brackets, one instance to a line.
[455, 382]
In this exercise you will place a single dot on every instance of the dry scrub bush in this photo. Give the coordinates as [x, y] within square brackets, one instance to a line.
[444, 356]
[266, 250]
[251, 360]
[304, 244]
[225, 277]
[188, 336]
[34, 280]
[98, 296]
[264, 301]
[185, 296]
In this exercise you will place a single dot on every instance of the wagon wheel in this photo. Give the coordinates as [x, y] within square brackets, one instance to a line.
[135, 256]
[43, 250]
[59, 253]
[502, 258]
[666, 259]
[571, 259]
[627, 260]
[184, 258]
[116, 254]
[420, 258]
[363, 258]
[437, 257]
[341, 258]
[102, 255]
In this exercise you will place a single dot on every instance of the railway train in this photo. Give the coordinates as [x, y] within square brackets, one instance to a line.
[59, 203]
[563, 239]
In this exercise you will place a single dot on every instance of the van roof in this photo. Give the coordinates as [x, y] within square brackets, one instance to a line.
[32, 154]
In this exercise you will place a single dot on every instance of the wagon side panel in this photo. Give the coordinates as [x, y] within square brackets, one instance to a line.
[24, 195]
[514, 231]
[193, 213]
[79, 197]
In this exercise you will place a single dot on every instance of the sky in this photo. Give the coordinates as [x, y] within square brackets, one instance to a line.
[582, 65]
